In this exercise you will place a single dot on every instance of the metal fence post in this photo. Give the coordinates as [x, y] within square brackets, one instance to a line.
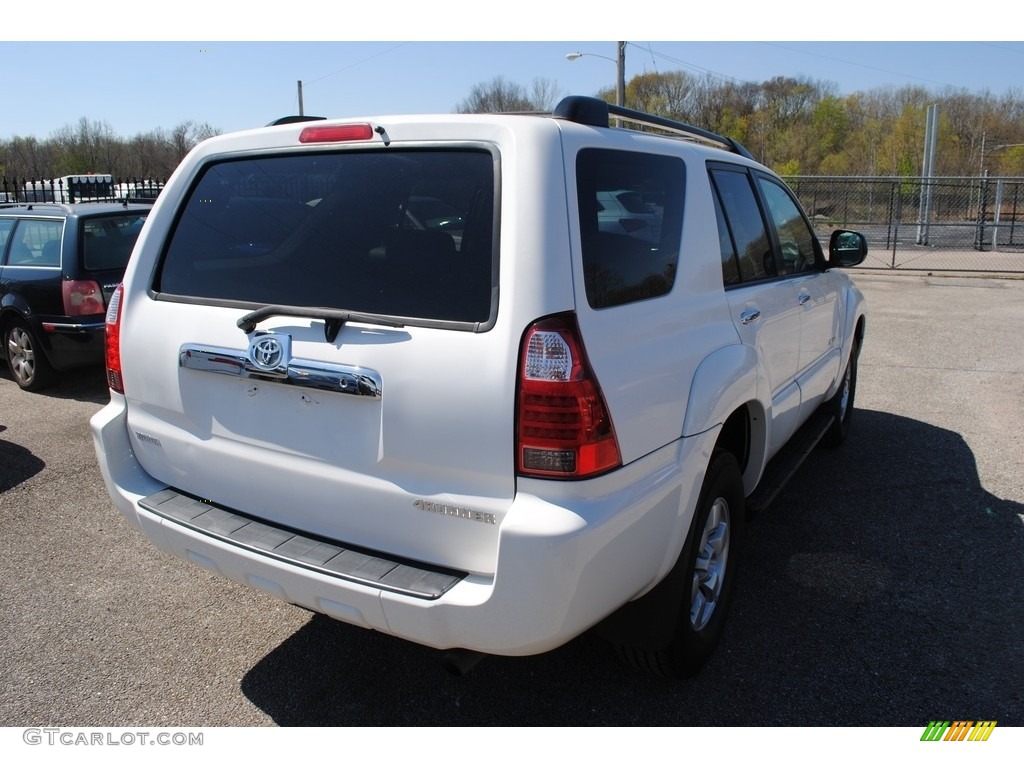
[996, 213]
[979, 243]
[1013, 213]
[898, 214]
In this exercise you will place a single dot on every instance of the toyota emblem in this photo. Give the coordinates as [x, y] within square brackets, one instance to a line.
[266, 353]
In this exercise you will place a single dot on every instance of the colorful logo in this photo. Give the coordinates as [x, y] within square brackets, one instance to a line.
[958, 730]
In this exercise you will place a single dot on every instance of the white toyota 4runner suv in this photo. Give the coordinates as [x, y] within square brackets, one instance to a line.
[412, 373]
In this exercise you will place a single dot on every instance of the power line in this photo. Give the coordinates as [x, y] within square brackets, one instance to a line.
[687, 64]
[354, 64]
[857, 64]
[304, 84]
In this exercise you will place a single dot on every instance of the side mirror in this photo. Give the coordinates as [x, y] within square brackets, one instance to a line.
[846, 248]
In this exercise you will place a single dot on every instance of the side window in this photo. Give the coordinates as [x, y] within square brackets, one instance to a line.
[730, 263]
[6, 227]
[631, 214]
[36, 243]
[796, 239]
[746, 234]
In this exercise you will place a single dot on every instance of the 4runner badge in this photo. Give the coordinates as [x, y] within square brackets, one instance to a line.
[450, 510]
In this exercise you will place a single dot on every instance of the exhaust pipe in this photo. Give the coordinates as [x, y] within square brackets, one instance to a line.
[458, 662]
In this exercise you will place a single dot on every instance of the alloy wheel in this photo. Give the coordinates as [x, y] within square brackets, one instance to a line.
[709, 569]
[21, 355]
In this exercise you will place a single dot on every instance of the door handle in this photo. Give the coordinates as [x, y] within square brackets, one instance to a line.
[748, 316]
[803, 298]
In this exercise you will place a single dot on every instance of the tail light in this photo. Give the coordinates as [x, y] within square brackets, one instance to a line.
[113, 341]
[82, 297]
[563, 428]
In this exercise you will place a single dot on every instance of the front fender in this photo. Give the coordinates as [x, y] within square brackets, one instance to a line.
[854, 306]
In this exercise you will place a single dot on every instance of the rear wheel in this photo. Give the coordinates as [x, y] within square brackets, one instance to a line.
[709, 562]
[25, 358]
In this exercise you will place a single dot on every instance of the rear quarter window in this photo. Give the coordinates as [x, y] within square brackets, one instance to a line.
[36, 243]
[631, 213]
[407, 233]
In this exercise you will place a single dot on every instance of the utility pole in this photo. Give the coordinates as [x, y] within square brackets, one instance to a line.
[300, 99]
[620, 82]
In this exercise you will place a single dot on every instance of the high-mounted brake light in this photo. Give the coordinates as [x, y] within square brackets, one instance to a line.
[328, 133]
[113, 341]
[563, 428]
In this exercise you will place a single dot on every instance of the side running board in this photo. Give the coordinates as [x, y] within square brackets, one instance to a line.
[788, 460]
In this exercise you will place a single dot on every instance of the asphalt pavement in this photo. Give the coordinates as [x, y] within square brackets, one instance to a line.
[882, 588]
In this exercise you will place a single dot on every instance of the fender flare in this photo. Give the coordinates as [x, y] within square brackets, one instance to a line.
[15, 306]
[724, 380]
[854, 303]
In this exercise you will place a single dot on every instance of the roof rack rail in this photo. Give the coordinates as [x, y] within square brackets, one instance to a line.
[289, 119]
[30, 205]
[589, 110]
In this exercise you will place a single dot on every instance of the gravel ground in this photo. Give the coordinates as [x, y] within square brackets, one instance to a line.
[883, 587]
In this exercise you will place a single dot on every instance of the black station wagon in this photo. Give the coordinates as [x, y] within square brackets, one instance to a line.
[59, 264]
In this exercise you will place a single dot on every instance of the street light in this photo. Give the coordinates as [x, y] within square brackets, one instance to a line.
[620, 63]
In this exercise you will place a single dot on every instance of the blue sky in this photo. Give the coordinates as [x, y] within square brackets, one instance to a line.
[233, 83]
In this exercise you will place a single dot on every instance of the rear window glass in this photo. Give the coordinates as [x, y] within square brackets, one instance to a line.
[107, 242]
[631, 213]
[403, 233]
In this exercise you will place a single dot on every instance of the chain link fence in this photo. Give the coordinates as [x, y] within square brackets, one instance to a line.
[973, 224]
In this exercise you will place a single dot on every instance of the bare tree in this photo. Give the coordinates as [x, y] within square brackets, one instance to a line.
[499, 95]
[186, 135]
[26, 156]
[545, 94]
[90, 146]
[146, 156]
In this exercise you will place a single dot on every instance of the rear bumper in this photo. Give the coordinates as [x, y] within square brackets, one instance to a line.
[569, 554]
[72, 344]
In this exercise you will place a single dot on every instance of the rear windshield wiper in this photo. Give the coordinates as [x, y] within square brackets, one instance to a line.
[333, 319]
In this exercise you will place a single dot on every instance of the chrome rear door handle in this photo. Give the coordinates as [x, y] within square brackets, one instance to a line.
[748, 316]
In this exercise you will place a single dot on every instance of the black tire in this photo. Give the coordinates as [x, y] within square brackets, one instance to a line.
[841, 404]
[29, 367]
[709, 567]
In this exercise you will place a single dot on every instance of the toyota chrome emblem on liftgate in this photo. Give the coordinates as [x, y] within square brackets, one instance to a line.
[268, 353]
